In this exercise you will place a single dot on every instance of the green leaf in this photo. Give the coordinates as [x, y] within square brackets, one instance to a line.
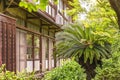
[86, 55]
[91, 57]
[29, 9]
[90, 46]
[22, 3]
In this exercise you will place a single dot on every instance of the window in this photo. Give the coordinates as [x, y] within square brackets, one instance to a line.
[60, 6]
[51, 43]
[36, 53]
[28, 54]
[50, 9]
[33, 51]
[30, 57]
[21, 50]
[28, 51]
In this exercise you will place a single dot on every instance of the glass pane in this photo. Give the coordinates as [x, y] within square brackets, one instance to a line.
[46, 53]
[22, 53]
[29, 66]
[52, 63]
[46, 64]
[36, 53]
[37, 65]
[22, 65]
[21, 50]
[29, 39]
[29, 53]
[36, 41]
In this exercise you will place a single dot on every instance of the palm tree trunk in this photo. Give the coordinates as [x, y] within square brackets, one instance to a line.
[89, 68]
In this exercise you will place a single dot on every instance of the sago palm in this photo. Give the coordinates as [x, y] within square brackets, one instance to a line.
[85, 44]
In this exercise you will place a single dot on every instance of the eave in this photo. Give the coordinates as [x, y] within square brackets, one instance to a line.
[42, 15]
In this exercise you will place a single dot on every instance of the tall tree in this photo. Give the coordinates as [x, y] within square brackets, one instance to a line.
[100, 16]
[85, 44]
[115, 4]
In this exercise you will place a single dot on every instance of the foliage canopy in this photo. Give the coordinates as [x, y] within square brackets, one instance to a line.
[33, 5]
[111, 67]
[78, 40]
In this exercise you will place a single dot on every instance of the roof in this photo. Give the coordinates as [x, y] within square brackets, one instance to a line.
[44, 16]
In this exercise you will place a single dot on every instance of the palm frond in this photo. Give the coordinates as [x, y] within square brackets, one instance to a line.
[77, 41]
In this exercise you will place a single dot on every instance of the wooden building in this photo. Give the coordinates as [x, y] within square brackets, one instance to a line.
[27, 38]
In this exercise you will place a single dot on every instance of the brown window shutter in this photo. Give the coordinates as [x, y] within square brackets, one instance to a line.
[8, 42]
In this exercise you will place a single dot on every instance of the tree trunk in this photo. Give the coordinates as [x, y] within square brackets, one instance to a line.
[89, 68]
[115, 4]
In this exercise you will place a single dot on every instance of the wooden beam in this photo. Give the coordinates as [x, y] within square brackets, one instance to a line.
[46, 24]
[42, 16]
[15, 16]
[53, 28]
[17, 1]
[40, 26]
[62, 15]
[31, 31]
[12, 6]
[35, 17]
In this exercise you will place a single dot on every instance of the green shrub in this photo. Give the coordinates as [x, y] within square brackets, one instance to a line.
[70, 70]
[8, 75]
[110, 67]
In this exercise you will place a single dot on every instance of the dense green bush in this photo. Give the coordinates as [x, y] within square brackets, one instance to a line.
[8, 75]
[111, 67]
[70, 70]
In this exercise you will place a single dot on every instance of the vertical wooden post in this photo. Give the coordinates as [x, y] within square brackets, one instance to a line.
[0, 43]
[8, 48]
[54, 56]
[48, 49]
[13, 29]
[33, 47]
[4, 43]
[40, 48]
[25, 21]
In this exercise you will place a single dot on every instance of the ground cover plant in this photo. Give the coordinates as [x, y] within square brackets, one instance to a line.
[8, 75]
[70, 70]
